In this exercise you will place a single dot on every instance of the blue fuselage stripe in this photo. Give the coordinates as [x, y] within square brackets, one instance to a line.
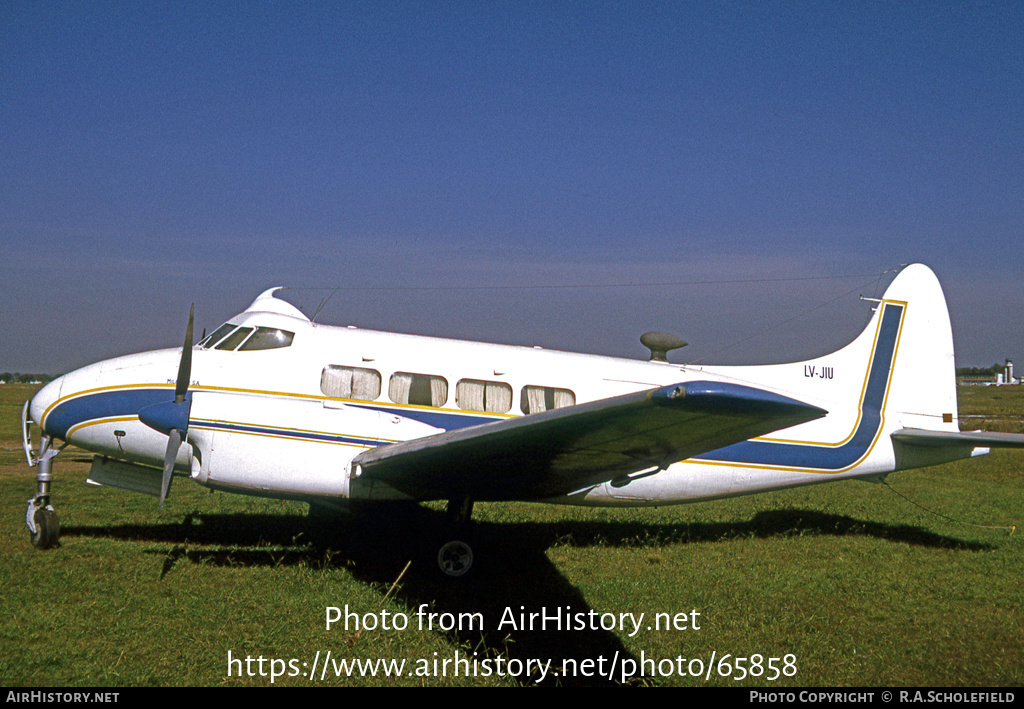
[438, 418]
[286, 433]
[116, 403]
[126, 403]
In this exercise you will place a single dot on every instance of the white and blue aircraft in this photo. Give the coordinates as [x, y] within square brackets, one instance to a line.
[273, 404]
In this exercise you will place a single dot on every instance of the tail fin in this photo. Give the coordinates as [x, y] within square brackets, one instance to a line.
[921, 409]
[897, 375]
[890, 396]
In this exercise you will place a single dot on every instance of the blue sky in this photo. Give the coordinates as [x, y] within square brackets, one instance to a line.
[155, 154]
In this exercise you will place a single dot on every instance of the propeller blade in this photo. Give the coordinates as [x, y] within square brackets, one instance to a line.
[172, 417]
[185, 366]
[173, 443]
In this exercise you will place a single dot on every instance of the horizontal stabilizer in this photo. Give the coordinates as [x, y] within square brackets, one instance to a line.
[963, 439]
[564, 450]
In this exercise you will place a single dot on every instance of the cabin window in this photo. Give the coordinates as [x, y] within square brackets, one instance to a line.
[350, 382]
[234, 339]
[418, 389]
[268, 338]
[476, 395]
[536, 399]
[218, 335]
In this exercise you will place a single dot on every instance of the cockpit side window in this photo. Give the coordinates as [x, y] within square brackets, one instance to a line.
[234, 339]
[263, 338]
[218, 335]
[267, 338]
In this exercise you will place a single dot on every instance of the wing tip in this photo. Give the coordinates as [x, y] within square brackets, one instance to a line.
[723, 396]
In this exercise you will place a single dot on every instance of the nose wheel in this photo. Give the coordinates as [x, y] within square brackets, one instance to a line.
[43, 525]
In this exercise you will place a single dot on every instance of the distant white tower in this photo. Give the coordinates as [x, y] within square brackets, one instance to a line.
[1008, 370]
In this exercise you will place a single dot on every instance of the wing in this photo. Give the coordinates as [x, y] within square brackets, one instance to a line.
[561, 451]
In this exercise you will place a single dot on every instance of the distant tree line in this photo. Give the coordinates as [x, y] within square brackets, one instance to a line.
[980, 371]
[16, 378]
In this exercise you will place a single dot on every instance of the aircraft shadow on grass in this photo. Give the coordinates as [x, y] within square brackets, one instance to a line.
[516, 573]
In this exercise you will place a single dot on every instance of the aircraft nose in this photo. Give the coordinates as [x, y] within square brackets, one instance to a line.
[43, 400]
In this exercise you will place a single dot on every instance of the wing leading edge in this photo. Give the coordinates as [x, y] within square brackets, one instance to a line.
[561, 451]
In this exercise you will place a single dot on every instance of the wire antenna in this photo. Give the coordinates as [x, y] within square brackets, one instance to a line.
[1012, 528]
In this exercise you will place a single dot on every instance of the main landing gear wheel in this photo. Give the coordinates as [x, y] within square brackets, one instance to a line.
[455, 558]
[44, 529]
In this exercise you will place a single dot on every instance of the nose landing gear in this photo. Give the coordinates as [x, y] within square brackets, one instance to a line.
[40, 517]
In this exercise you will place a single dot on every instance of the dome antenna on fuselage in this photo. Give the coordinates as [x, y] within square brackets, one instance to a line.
[660, 344]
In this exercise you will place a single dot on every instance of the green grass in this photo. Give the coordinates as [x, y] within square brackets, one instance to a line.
[864, 586]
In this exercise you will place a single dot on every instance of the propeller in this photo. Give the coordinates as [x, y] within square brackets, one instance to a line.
[171, 417]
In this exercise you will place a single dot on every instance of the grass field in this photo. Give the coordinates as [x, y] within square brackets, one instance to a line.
[910, 583]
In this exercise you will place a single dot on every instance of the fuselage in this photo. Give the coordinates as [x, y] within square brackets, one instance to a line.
[280, 405]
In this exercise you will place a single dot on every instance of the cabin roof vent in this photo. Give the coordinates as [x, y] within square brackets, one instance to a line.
[660, 344]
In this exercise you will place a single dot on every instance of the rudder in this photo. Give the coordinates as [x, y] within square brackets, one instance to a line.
[922, 390]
